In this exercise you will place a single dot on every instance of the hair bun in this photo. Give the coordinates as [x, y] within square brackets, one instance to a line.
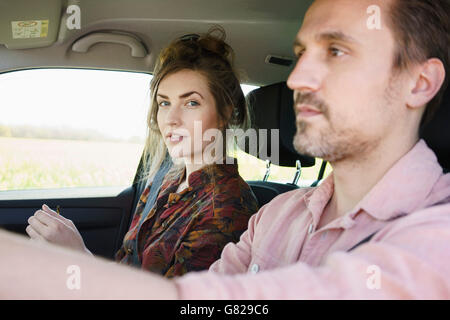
[214, 41]
[210, 43]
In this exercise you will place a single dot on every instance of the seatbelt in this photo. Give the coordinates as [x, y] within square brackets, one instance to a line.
[362, 241]
[367, 239]
[151, 199]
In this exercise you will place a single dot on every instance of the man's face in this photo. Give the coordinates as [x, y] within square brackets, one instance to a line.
[346, 101]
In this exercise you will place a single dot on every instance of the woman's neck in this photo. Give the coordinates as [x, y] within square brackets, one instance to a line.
[189, 168]
[192, 166]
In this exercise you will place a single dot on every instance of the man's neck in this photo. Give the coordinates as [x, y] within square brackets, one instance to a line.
[354, 178]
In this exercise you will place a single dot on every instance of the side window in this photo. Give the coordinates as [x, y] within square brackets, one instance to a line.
[85, 128]
[71, 127]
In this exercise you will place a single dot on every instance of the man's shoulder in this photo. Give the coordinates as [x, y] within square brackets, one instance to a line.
[285, 203]
[293, 195]
[437, 212]
[436, 216]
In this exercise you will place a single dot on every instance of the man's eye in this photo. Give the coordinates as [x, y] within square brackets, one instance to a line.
[299, 53]
[335, 52]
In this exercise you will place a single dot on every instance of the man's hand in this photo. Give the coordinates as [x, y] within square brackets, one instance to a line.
[47, 225]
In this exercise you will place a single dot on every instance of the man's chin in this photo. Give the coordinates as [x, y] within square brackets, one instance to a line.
[317, 149]
[304, 146]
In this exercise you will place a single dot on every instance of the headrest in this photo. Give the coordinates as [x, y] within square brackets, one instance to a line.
[437, 132]
[273, 108]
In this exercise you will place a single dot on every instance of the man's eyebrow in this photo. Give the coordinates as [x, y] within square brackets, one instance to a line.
[329, 36]
[298, 43]
[335, 36]
[184, 95]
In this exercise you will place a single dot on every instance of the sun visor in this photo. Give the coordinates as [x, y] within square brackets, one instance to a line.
[29, 24]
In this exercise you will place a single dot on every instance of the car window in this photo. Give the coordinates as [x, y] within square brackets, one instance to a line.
[252, 168]
[71, 127]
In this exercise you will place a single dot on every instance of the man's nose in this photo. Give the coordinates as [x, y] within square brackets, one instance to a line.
[306, 76]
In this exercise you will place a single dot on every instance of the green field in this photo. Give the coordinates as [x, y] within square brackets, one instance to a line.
[39, 163]
[42, 163]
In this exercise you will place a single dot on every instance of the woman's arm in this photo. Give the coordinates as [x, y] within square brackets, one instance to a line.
[30, 270]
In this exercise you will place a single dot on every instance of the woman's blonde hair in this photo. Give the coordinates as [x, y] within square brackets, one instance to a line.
[212, 57]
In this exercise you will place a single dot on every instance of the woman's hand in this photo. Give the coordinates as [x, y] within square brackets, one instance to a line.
[49, 226]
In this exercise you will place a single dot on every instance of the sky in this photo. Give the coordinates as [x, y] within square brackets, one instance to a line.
[79, 99]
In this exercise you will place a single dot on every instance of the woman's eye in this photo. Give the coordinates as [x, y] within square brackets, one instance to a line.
[335, 52]
[193, 103]
[163, 103]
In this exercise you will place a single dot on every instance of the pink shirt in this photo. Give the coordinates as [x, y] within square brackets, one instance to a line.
[283, 256]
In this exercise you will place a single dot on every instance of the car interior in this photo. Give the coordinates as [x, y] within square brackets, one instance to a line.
[127, 36]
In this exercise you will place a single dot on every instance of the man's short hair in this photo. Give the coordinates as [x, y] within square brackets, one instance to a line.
[422, 31]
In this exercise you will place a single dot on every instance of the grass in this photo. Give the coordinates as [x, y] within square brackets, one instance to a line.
[41, 163]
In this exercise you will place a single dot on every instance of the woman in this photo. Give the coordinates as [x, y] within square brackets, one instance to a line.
[203, 203]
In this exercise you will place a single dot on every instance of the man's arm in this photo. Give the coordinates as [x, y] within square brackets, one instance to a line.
[30, 270]
[410, 260]
[235, 257]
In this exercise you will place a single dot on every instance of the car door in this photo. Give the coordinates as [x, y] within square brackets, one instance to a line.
[102, 216]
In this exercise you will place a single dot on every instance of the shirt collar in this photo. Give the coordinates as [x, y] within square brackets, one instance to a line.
[317, 198]
[403, 189]
[406, 185]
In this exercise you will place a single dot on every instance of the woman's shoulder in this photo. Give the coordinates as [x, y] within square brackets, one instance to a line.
[228, 179]
[231, 189]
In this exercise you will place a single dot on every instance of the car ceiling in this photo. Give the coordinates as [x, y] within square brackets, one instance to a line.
[254, 28]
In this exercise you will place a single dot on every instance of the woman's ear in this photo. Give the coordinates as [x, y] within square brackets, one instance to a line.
[429, 79]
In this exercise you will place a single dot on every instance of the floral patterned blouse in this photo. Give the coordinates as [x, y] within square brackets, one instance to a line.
[187, 231]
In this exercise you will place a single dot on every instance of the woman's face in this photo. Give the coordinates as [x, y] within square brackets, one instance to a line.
[186, 109]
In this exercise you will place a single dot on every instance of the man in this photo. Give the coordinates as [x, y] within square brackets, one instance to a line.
[362, 91]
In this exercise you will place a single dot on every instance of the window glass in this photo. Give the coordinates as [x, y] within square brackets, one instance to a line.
[252, 168]
[71, 127]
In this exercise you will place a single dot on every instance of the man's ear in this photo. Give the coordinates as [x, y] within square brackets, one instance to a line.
[429, 79]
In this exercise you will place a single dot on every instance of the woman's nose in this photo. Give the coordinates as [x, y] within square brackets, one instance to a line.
[173, 116]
